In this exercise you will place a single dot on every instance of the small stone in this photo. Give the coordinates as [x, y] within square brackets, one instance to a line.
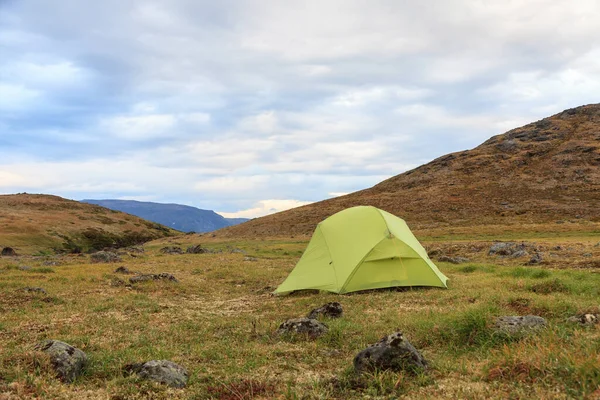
[514, 325]
[197, 250]
[453, 260]
[153, 277]
[307, 326]
[9, 252]
[67, 361]
[331, 310]
[584, 319]
[123, 270]
[161, 371]
[171, 250]
[392, 352]
[250, 259]
[24, 268]
[535, 259]
[30, 289]
[237, 251]
[105, 257]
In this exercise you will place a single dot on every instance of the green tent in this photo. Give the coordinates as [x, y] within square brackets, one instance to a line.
[362, 248]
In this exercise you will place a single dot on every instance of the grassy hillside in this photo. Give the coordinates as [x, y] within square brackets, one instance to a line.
[542, 177]
[219, 323]
[32, 223]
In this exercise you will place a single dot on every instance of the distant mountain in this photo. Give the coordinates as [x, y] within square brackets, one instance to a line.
[176, 216]
[546, 172]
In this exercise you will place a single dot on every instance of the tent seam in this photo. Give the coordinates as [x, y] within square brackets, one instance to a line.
[328, 252]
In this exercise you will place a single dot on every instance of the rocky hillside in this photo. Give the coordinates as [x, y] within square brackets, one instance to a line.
[544, 172]
[176, 216]
[35, 222]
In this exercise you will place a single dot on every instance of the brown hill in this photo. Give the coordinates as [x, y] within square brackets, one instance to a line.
[544, 172]
[35, 222]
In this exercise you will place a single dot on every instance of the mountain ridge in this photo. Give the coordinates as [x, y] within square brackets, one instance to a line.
[547, 171]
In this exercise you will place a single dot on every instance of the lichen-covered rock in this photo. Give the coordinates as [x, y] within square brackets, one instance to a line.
[198, 249]
[31, 289]
[153, 277]
[509, 249]
[305, 326]
[585, 319]
[331, 310]
[123, 270]
[67, 361]
[105, 257]
[453, 260]
[162, 371]
[171, 250]
[514, 325]
[535, 259]
[393, 352]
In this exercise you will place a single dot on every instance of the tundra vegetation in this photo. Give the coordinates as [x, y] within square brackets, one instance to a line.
[219, 321]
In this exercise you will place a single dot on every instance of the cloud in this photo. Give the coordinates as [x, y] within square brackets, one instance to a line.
[265, 207]
[223, 105]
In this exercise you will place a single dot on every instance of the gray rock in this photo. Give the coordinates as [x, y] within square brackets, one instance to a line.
[250, 259]
[453, 260]
[237, 251]
[535, 259]
[171, 250]
[153, 277]
[508, 249]
[8, 252]
[434, 252]
[514, 325]
[67, 361]
[197, 250]
[123, 270]
[24, 268]
[584, 319]
[393, 352]
[105, 257]
[519, 253]
[30, 289]
[331, 310]
[305, 326]
[587, 254]
[162, 371]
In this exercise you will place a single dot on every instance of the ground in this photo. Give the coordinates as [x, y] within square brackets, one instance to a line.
[219, 322]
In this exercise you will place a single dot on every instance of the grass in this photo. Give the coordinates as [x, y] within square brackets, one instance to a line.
[219, 323]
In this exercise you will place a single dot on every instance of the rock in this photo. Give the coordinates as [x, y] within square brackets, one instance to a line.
[393, 352]
[136, 249]
[237, 251]
[597, 244]
[123, 270]
[9, 252]
[453, 260]
[535, 259]
[105, 257]
[162, 371]
[584, 319]
[508, 249]
[197, 250]
[171, 250]
[50, 263]
[331, 310]
[306, 326]
[518, 324]
[434, 252]
[153, 277]
[587, 255]
[250, 259]
[24, 268]
[67, 361]
[30, 289]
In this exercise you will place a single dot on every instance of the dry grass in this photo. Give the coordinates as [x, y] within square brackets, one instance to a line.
[219, 322]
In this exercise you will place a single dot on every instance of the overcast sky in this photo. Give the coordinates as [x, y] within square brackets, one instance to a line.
[250, 107]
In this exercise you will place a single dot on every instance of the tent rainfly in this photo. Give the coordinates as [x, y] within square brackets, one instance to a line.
[362, 248]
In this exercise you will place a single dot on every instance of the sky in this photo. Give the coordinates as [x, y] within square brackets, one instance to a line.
[251, 107]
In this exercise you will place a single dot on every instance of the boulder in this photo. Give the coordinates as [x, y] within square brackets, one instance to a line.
[584, 319]
[514, 325]
[331, 310]
[123, 270]
[508, 249]
[67, 361]
[161, 371]
[304, 326]
[535, 259]
[8, 252]
[198, 249]
[171, 250]
[392, 352]
[105, 257]
[153, 277]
